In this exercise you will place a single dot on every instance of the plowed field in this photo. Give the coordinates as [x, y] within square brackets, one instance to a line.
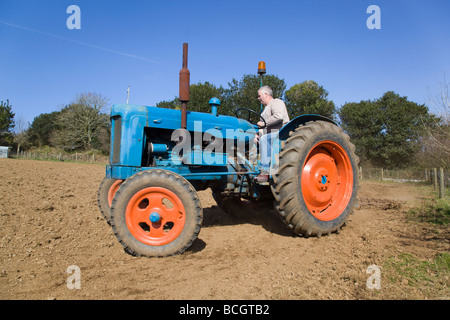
[49, 220]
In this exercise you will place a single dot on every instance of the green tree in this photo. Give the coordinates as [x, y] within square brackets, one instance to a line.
[201, 93]
[81, 122]
[239, 93]
[41, 129]
[20, 133]
[199, 96]
[436, 144]
[244, 93]
[6, 124]
[309, 98]
[387, 131]
[364, 125]
[169, 104]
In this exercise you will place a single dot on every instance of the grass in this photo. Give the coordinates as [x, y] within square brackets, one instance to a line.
[432, 210]
[409, 270]
[431, 276]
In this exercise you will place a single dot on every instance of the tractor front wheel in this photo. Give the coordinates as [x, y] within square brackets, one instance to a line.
[156, 213]
[105, 195]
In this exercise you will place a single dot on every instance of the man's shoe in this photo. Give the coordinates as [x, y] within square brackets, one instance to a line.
[262, 178]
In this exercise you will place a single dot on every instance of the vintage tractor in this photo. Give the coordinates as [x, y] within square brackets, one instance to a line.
[161, 157]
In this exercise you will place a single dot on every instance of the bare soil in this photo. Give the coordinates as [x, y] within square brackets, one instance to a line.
[50, 220]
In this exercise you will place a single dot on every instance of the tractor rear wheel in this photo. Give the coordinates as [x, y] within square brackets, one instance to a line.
[156, 213]
[105, 195]
[316, 184]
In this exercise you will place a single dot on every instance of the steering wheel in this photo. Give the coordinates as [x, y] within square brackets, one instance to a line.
[250, 113]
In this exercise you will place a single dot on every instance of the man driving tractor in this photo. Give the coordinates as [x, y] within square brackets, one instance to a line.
[275, 116]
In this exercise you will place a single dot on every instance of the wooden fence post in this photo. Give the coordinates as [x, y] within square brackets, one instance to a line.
[435, 178]
[441, 183]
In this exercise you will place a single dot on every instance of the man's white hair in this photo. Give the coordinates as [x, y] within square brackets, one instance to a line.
[266, 89]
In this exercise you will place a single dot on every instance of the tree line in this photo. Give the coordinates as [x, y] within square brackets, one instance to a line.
[79, 126]
[390, 131]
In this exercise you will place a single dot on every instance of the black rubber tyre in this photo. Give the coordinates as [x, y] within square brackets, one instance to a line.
[106, 187]
[141, 196]
[319, 155]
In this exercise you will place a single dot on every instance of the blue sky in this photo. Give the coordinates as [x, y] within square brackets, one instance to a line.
[44, 65]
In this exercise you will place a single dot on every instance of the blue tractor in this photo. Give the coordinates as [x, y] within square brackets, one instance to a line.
[160, 158]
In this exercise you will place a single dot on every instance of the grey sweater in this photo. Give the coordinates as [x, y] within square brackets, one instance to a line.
[275, 114]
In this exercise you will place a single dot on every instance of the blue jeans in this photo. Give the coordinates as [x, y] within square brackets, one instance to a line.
[265, 149]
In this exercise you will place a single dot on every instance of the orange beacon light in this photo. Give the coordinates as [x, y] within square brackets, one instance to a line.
[261, 67]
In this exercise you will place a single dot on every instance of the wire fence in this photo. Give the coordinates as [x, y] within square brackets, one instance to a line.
[438, 177]
[406, 175]
[85, 157]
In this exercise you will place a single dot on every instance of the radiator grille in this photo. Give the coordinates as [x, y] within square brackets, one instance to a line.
[117, 121]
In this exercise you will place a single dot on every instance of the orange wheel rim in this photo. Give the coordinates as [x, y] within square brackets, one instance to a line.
[112, 190]
[155, 216]
[327, 180]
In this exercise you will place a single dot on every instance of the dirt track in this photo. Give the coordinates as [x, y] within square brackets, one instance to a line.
[50, 220]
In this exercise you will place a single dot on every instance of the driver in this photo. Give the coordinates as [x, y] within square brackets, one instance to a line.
[275, 116]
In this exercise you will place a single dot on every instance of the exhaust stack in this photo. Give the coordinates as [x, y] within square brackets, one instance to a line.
[184, 86]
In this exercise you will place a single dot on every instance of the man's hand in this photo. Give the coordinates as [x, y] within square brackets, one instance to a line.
[261, 124]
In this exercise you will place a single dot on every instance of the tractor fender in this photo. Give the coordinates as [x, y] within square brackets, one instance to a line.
[300, 120]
